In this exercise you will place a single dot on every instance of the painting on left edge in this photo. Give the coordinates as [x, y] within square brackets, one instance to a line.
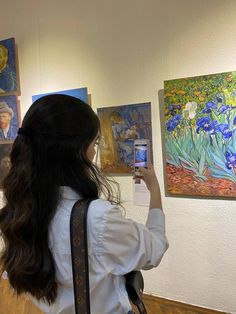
[9, 124]
[8, 75]
[9, 105]
[5, 163]
[9, 118]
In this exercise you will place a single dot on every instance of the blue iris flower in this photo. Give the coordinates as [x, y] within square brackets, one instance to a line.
[173, 122]
[234, 121]
[230, 160]
[219, 98]
[209, 106]
[206, 110]
[206, 124]
[224, 129]
[224, 109]
[173, 109]
[227, 134]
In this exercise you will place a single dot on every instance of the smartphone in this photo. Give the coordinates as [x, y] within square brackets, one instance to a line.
[141, 155]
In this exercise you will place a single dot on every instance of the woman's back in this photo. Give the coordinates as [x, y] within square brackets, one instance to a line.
[51, 168]
[116, 246]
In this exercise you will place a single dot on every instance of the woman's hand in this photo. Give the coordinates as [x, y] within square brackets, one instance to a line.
[150, 179]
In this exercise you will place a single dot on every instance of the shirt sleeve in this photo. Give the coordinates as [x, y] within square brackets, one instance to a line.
[127, 245]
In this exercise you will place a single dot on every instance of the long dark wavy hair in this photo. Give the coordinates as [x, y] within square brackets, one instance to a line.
[49, 152]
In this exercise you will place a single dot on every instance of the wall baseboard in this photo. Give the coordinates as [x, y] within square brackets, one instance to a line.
[157, 305]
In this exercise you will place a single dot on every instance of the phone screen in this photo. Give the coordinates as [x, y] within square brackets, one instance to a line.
[140, 156]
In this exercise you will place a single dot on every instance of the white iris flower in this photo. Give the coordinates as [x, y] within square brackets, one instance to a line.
[190, 109]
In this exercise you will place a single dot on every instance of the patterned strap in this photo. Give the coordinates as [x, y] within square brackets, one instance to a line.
[79, 255]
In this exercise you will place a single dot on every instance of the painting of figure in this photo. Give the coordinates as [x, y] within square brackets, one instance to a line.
[8, 77]
[5, 162]
[120, 126]
[200, 135]
[9, 117]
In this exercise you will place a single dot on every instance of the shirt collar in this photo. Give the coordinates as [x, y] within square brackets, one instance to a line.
[68, 193]
[5, 131]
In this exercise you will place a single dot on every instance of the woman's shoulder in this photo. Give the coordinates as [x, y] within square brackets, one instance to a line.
[101, 211]
[98, 212]
[100, 207]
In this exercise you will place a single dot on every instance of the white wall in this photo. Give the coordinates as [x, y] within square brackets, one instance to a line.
[122, 51]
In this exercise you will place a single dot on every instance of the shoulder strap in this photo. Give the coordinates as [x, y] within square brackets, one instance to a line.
[79, 255]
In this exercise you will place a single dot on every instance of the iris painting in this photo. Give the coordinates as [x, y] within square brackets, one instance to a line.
[120, 126]
[200, 135]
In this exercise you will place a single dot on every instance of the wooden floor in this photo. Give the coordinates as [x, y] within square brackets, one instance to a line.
[10, 304]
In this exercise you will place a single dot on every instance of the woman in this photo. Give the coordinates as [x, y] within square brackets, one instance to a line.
[51, 169]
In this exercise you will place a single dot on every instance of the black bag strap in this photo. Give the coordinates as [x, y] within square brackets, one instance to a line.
[79, 255]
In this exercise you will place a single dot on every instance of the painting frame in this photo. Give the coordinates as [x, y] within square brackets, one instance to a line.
[9, 105]
[120, 126]
[9, 82]
[199, 136]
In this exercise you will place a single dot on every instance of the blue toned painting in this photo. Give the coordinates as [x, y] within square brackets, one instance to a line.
[8, 78]
[80, 93]
[120, 126]
[9, 117]
[200, 135]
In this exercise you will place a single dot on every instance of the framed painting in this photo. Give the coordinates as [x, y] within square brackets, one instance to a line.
[80, 93]
[120, 126]
[9, 117]
[8, 76]
[200, 135]
[5, 150]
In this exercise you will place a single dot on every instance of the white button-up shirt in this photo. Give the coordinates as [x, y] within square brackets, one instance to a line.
[116, 246]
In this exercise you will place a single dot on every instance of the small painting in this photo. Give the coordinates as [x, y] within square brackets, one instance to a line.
[9, 117]
[200, 135]
[5, 163]
[8, 77]
[120, 126]
[80, 93]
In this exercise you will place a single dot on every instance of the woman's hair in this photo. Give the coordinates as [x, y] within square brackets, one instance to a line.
[49, 152]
